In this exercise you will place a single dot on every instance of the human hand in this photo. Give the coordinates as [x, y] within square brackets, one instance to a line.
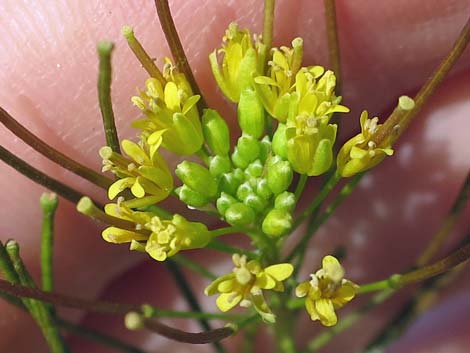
[49, 77]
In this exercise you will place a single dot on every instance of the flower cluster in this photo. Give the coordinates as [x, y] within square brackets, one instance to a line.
[284, 112]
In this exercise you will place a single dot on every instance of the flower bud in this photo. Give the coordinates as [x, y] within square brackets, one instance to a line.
[244, 190]
[197, 178]
[277, 222]
[190, 197]
[246, 151]
[224, 202]
[239, 214]
[265, 149]
[279, 176]
[188, 133]
[262, 189]
[279, 145]
[229, 182]
[255, 169]
[255, 202]
[251, 113]
[285, 201]
[219, 165]
[216, 132]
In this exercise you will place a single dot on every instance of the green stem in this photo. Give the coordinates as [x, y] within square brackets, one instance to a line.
[39, 310]
[221, 246]
[268, 23]
[104, 95]
[316, 222]
[54, 155]
[226, 230]
[151, 312]
[333, 41]
[300, 186]
[39, 177]
[173, 40]
[147, 62]
[397, 123]
[48, 204]
[193, 266]
[190, 298]
[449, 222]
[324, 192]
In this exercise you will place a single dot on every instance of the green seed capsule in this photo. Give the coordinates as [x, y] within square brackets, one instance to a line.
[190, 197]
[197, 178]
[239, 214]
[216, 132]
[277, 222]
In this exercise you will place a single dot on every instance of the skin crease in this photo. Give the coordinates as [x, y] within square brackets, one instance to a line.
[48, 72]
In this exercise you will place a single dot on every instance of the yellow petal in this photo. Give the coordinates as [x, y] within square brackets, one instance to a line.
[227, 301]
[326, 312]
[137, 189]
[172, 99]
[302, 289]
[212, 288]
[264, 80]
[134, 151]
[280, 272]
[310, 307]
[333, 268]
[119, 236]
[264, 281]
[226, 286]
[119, 186]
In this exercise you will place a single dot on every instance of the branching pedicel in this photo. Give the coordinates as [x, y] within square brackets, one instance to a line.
[285, 115]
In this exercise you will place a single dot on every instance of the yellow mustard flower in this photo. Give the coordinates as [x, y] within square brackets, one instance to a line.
[146, 173]
[170, 106]
[245, 285]
[360, 152]
[326, 291]
[274, 90]
[240, 62]
[160, 238]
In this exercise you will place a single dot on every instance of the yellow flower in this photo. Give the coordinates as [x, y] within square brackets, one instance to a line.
[146, 173]
[326, 291]
[360, 152]
[239, 63]
[160, 238]
[274, 90]
[245, 285]
[170, 106]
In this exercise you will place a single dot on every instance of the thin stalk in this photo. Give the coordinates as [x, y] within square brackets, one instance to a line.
[221, 246]
[268, 23]
[104, 95]
[300, 186]
[313, 206]
[147, 62]
[421, 274]
[39, 177]
[51, 153]
[98, 337]
[39, 311]
[48, 204]
[193, 266]
[211, 336]
[226, 230]
[189, 296]
[173, 40]
[449, 222]
[333, 41]
[316, 222]
[396, 125]
[151, 312]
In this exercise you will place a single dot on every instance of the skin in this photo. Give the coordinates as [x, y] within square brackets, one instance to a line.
[49, 77]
